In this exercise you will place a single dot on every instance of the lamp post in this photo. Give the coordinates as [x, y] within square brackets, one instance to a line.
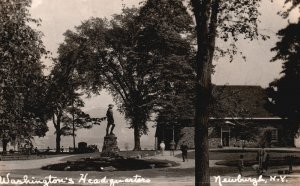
[73, 111]
[172, 143]
[173, 132]
[73, 124]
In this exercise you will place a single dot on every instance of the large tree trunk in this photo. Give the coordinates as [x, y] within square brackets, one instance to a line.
[205, 42]
[58, 132]
[58, 139]
[202, 176]
[137, 139]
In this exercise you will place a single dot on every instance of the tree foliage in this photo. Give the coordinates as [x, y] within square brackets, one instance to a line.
[75, 116]
[290, 5]
[21, 76]
[284, 92]
[134, 56]
[229, 21]
[63, 99]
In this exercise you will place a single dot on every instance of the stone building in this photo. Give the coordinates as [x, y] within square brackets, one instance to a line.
[238, 118]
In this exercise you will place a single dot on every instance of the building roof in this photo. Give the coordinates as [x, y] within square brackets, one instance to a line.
[239, 101]
[236, 102]
[232, 102]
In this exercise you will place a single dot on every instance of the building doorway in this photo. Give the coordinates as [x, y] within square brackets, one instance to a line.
[225, 137]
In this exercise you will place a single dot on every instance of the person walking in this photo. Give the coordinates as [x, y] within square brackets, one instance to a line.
[162, 147]
[241, 164]
[184, 151]
[262, 156]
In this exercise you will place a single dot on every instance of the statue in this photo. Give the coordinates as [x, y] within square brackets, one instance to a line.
[110, 146]
[110, 120]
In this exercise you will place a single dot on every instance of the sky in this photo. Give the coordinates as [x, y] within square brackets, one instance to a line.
[59, 15]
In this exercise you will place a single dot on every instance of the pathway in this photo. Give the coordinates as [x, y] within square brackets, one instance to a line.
[162, 180]
[190, 163]
[29, 164]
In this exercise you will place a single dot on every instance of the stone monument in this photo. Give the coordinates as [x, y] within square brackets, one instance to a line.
[110, 146]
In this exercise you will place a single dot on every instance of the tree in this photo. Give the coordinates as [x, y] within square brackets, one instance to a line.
[77, 119]
[60, 95]
[176, 106]
[223, 20]
[284, 92]
[292, 4]
[169, 36]
[133, 56]
[21, 49]
[215, 19]
[63, 99]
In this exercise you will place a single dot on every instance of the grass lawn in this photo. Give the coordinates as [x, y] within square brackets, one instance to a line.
[219, 155]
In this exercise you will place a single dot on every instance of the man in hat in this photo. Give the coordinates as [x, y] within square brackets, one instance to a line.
[110, 119]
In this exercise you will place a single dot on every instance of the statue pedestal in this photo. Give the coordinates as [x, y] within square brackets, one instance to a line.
[110, 147]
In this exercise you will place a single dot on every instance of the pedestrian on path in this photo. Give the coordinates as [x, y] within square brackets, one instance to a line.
[261, 156]
[184, 151]
[162, 147]
[241, 164]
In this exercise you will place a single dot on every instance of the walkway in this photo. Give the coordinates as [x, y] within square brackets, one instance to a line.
[290, 180]
[187, 164]
[29, 164]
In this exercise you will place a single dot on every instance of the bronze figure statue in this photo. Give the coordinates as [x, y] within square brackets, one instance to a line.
[110, 120]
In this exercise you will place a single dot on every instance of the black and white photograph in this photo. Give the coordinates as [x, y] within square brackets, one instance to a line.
[150, 92]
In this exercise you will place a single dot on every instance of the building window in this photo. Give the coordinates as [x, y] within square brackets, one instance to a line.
[274, 133]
